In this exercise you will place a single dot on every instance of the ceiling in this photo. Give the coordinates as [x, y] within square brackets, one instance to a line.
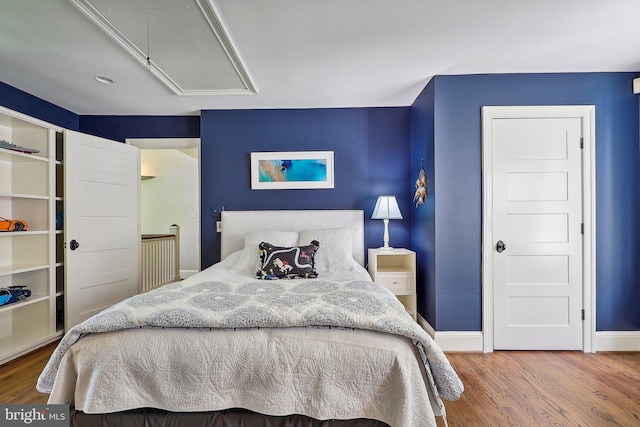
[299, 53]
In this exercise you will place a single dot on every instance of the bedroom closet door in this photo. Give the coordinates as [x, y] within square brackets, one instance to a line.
[102, 243]
[535, 237]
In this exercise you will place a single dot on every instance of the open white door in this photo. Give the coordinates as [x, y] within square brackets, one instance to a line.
[102, 237]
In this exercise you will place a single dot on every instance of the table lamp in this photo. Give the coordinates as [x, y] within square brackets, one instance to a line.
[386, 209]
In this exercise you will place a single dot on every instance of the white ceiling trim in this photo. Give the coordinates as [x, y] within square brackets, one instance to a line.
[141, 56]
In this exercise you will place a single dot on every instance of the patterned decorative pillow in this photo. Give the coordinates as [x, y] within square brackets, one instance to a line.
[296, 262]
[249, 260]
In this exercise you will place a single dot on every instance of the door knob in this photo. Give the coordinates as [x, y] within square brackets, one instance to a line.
[74, 245]
[500, 246]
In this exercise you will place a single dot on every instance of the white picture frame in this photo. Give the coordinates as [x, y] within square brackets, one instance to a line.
[292, 170]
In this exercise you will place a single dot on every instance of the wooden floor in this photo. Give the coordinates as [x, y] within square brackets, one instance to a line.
[504, 388]
[18, 377]
[533, 388]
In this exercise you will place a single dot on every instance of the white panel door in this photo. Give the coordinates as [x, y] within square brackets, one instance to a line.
[102, 238]
[537, 217]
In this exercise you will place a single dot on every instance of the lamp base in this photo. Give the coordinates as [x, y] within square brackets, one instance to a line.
[386, 246]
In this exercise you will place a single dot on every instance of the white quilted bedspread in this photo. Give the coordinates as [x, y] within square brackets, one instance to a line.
[321, 373]
[331, 347]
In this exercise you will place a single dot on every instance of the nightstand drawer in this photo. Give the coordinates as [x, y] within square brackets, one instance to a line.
[396, 282]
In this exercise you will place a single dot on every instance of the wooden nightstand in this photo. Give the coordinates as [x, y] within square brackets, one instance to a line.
[396, 270]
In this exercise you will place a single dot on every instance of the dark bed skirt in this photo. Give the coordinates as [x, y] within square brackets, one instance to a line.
[228, 418]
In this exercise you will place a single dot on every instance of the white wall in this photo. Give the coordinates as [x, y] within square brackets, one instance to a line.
[171, 197]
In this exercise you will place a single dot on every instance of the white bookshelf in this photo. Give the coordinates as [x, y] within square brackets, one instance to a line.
[28, 193]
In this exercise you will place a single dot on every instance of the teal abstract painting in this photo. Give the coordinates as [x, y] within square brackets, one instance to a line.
[293, 170]
[289, 170]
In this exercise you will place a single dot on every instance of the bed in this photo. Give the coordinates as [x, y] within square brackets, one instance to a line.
[321, 345]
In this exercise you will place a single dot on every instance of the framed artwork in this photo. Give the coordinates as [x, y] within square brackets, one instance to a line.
[291, 170]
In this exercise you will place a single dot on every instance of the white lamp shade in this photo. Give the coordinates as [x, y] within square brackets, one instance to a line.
[386, 208]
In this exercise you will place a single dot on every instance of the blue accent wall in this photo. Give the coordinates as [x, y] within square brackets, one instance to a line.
[25, 103]
[119, 128]
[371, 155]
[457, 102]
[423, 232]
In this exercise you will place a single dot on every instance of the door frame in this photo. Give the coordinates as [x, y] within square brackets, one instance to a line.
[174, 143]
[587, 115]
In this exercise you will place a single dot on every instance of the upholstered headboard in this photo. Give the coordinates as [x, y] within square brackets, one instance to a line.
[235, 224]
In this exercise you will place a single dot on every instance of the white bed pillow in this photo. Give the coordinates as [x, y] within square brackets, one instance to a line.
[336, 248]
[249, 261]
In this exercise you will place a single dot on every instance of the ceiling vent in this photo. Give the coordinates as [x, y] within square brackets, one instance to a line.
[182, 42]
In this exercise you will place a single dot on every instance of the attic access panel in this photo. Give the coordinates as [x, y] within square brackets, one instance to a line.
[181, 42]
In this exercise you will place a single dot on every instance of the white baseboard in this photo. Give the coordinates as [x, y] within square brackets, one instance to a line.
[462, 341]
[426, 326]
[187, 273]
[473, 341]
[618, 341]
